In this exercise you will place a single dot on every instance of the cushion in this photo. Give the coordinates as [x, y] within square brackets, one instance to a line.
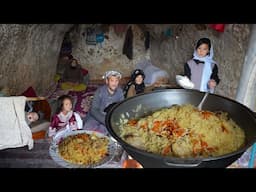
[40, 125]
[73, 87]
[30, 92]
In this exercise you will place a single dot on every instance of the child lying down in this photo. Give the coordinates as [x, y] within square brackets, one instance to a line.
[30, 115]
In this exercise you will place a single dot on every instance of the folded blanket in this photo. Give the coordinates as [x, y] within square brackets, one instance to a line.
[14, 131]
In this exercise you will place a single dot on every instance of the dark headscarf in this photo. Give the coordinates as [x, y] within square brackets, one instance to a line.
[139, 88]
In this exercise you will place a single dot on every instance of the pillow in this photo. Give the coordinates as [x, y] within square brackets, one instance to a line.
[30, 92]
[73, 87]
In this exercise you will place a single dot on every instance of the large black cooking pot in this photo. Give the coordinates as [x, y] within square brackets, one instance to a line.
[144, 104]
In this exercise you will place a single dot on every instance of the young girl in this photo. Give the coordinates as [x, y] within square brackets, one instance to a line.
[136, 84]
[64, 119]
[201, 69]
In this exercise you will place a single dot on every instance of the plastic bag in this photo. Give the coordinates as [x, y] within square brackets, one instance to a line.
[152, 73]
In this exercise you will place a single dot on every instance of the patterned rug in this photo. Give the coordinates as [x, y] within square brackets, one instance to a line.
[81, 99]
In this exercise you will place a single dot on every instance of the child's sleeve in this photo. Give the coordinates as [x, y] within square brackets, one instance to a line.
[214, 74]
[53, 126]
[78, 120]
[54, 122]
[187, 71]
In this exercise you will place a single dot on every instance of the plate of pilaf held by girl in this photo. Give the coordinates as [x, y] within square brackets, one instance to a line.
[82, 149]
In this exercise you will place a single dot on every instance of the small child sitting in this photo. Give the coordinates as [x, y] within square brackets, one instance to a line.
[65, 118]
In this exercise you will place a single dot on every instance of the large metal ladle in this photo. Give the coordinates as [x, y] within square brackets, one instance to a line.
[202, 101]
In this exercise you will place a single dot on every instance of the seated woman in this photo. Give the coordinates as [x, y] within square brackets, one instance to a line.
[136, 85]
[73, 72]
[63, 62]
[73, 77]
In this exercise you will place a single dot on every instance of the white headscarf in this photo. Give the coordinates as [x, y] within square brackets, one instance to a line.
[112, 73]
[207, 71]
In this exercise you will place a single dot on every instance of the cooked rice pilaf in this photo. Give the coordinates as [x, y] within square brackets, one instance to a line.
[184, 131]
[84, 149]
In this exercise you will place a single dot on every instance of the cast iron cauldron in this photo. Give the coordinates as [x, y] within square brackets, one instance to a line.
[145, 104]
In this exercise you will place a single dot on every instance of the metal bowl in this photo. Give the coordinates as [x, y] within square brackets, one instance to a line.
[144, 104]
